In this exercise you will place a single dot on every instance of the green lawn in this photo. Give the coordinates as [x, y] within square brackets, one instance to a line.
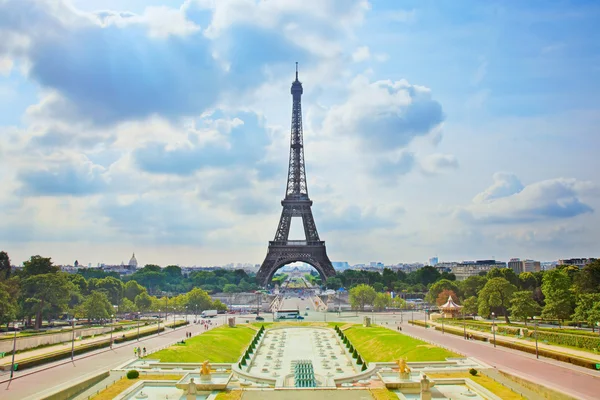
[382, 344]
[222, 344]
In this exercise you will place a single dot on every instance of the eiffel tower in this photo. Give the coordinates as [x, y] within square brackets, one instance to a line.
[283, 251]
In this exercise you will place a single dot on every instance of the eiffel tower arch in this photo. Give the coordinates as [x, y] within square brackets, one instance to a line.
[296, 204]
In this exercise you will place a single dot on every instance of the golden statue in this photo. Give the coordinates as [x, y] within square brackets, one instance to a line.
[402, 366]
[205, 370]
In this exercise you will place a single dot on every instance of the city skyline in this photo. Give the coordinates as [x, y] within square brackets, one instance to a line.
[457, 130]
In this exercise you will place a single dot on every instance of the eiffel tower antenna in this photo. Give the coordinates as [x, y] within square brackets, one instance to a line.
[296, 203]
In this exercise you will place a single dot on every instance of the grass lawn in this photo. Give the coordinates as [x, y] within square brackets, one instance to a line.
[381, 344]
[498, 389]
[230, 395]
[383, 394]
[223, 344]
[292, 323]
[112, 391]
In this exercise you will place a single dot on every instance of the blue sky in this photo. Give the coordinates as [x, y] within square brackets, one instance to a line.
[458, 129]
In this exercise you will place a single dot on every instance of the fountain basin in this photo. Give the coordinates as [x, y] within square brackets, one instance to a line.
[218, 381]
[392, 380]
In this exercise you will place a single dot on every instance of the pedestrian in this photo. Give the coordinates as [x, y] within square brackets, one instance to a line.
[135, 351]
[144, 352]
[139, 352]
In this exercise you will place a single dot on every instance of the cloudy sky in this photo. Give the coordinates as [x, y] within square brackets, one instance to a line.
[459, 129]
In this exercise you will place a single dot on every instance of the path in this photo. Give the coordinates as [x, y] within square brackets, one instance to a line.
[36, 381]
[564, 377]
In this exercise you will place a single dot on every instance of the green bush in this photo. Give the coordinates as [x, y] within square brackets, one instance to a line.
[473, 371]
[359, 360]
[354, 354]
[133, 374]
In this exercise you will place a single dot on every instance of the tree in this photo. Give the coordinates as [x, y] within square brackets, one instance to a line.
[132, 289]
[361, 295]
[5, 267]
[198, 300]
[8, 304]
[333, 283]
[496, 293]
[556, 287]
[143, 301]
[588, 279]
[523, 306]
[38, 265]
[472, 285]
[379, 287]
[382, 301]
[470, 305]
[43, 292]
[585, 306]
[230, 288]
[127, 306]
[97, 306]
[424, 276]
[527, 281]
[388, 277]
[506, 273]
[113, 288]
[444, 295]
[399, 302]
[78, 282]
[439, 286]
[219, 306]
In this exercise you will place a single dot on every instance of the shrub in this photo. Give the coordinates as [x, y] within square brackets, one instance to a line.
[354, 354]
[133, 374]
[359, 360]
[473, 371]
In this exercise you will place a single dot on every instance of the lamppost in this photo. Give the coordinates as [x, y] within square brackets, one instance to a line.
[537, 355]
[138, 335]
[73, 339]
[166, 309]
[464, 324]
[425, 313]
[158, 325]
[442, 322]
[494, 327]
[12, 363]
[111, 330]
[186, 319]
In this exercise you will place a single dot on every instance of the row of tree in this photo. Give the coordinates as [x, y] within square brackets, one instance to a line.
[563, 293]
[41, 291]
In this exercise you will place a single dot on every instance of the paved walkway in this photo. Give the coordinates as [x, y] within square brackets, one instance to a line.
[67, 345]
[42, 380]
[509, 338]
[576, 381]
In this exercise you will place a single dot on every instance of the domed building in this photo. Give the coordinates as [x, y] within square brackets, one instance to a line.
[133, 262]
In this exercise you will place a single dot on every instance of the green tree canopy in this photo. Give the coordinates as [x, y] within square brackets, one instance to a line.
[43, 292]
[113, 288]
[198, 300]
[439, 286]
[382, 301]
[38, 265]
[527, 281]
[8, 304]
[362, 295]
[97, 306]
[472, 285]
[588, 279]
[584, 312]
[523, 306]
[496, 294]
[143, 301]
[558, 296]
[5, 268]
[470, 305]
[132, 289]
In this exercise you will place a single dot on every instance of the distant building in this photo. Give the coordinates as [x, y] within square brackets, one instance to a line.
[579, 262]
[433, 261]
[519, 266]
[133, 264]
[340, 265]
[472, 268]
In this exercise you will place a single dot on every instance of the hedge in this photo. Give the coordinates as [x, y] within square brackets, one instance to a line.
[582, 362]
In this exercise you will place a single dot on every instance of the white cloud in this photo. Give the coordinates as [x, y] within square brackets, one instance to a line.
[361, 54]
[508, 202]
[6, 65]
[436, 163]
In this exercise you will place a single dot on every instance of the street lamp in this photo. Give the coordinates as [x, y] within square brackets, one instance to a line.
[111, 330]
[158, 325]
[12, 364]
[73, 339]
[186, 319]
[464, 324]
[494, 327]
[537, 355]
[442, 322]
[139, 318]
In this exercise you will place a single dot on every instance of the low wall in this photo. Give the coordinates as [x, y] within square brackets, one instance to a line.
[543, 391]
[77, 388]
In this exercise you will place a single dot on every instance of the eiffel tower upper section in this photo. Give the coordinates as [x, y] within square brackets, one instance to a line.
[296, 182]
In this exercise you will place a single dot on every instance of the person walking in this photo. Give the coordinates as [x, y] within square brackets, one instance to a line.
[135, 351]
[144, 352]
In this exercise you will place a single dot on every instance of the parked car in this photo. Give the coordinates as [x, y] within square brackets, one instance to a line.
[259, 318]
[299, 317]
